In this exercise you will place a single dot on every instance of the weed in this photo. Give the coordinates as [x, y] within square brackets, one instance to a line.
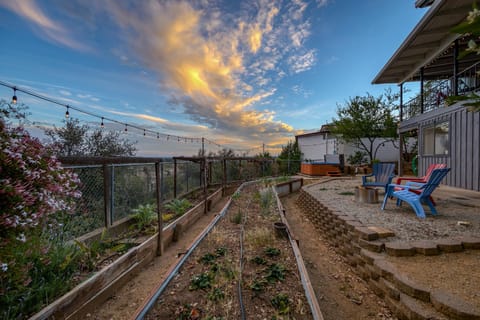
[237, 218]
[201, 281]
[275, 272]
[259, 260]
[346, 193]
[266, 198]
[272, 252]
[281, 303]
[259, 237]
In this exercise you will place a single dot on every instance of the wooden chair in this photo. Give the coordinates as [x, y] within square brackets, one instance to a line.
[383, 174]
[422, 195]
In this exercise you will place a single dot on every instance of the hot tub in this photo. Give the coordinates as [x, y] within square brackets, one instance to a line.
[320, 168]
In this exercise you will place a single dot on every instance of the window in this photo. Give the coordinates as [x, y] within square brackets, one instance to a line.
[435, 139]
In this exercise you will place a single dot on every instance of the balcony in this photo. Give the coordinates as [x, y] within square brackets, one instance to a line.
[436, 92]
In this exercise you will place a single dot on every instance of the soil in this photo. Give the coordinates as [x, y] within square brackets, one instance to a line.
[207, 285]
[340, 293]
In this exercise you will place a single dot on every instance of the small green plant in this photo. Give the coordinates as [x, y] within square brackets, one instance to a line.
[257, 285]
[275, 272]
[259, 260]
[178, 206]
[236, 196]
[201, 281]
[237, 218]
[272, 252]
[346, 193]
[281, 303]
[144, 216]
[208, 258]
[221, 252]
[216, 295]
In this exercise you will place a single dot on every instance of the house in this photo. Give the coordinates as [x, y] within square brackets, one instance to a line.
[430, 56]
[323, 146]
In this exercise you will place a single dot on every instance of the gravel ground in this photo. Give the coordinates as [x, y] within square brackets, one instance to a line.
[453, 219]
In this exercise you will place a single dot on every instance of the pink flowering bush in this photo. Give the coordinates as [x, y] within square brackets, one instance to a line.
[36, 265]
[32, 182]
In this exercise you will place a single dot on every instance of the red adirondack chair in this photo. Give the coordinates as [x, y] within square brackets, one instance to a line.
[423, 179]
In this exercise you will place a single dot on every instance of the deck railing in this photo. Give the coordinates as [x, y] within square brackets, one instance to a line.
[434, 96]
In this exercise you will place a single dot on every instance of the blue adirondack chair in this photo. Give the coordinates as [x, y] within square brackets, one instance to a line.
[421, 194]
[383, 174]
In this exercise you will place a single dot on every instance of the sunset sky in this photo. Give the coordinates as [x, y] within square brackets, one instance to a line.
[240, 73]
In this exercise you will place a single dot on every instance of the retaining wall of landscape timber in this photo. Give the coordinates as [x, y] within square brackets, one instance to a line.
[94, 291]
[365, 247]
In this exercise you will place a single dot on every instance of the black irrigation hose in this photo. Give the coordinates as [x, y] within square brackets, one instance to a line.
[242, 231]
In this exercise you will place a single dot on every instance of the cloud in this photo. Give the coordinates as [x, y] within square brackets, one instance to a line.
[52, 30]
[205, 62]
[301, 63]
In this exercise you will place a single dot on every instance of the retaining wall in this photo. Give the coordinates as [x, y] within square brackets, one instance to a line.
[365, 247]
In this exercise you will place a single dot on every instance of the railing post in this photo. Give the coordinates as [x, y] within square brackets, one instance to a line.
[107, 195]
[421, 90]
[455, 69]
[158, 193]
[401, 101]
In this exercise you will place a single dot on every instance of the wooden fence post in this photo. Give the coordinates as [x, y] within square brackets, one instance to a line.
[158, 193]
[107, 195]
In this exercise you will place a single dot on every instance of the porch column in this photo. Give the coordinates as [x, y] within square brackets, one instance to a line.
[455, 69]
[421, 89]
[401, 101]
[400, 158]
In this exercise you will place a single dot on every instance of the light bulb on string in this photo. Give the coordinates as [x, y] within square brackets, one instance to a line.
[14, 98]
[67, 114]
[102, 125]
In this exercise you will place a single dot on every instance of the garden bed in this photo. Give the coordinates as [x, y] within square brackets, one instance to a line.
[242, 268]
[117, 267]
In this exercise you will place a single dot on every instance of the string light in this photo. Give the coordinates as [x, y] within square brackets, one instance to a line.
[102, 123]
[14, 98]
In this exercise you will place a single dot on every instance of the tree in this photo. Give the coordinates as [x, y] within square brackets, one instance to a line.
[76, 139]
[365, 120]
[70, 139]
[289, 158]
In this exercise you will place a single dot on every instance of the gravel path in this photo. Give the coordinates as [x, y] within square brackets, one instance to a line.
[339, 194]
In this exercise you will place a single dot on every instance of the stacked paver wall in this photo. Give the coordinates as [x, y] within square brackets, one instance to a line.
[364, 248]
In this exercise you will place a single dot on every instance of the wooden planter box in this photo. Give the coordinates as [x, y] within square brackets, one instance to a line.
[91, 292]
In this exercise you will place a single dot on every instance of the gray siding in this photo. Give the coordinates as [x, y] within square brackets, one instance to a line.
[464, 155]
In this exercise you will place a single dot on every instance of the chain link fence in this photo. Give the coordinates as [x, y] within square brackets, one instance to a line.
[112, 192]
